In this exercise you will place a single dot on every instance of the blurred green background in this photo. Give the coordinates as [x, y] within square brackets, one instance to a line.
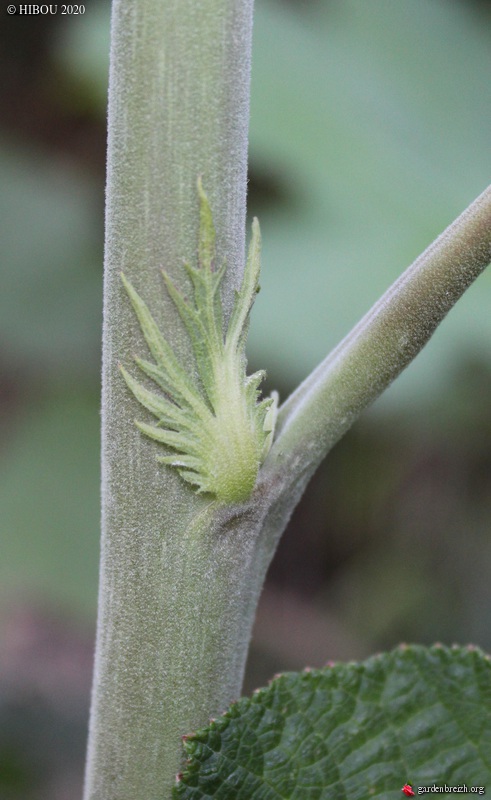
[370, 132]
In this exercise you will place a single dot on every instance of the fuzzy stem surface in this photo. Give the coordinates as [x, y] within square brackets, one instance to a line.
[376, 351]
[170, 647]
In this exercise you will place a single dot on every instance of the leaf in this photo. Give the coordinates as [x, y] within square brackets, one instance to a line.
[350, 731]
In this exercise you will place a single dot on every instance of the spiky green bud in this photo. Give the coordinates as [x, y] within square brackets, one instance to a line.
[215, 427]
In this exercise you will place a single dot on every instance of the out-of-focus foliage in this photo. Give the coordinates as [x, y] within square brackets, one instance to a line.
[374, 118]
[51, 279]
[49, 493]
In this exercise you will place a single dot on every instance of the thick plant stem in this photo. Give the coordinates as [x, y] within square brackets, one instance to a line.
[170, 647]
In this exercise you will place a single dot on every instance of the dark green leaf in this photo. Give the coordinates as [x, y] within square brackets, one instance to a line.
[351, 731]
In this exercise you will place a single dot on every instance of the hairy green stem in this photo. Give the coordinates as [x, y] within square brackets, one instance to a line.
[373, 354]
[170, 651]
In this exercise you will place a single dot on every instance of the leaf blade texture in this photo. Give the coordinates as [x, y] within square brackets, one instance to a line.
[417, 715]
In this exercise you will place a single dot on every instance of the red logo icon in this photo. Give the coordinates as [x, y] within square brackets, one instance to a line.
[407, 790]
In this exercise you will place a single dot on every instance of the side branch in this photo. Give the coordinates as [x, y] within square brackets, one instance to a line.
[383, 343]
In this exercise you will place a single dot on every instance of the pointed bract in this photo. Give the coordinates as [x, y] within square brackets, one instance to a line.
[219, 431]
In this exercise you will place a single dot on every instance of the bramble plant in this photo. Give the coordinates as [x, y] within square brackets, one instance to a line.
[195, 500]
